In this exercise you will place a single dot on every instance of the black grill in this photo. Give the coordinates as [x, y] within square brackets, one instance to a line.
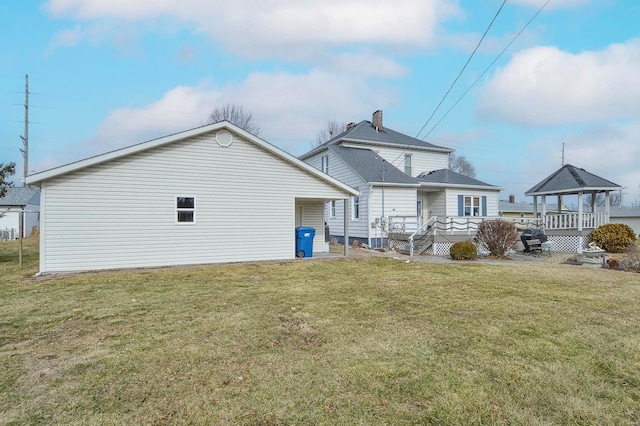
[532, 234]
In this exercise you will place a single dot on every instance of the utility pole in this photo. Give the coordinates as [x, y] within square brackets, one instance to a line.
[25, 138]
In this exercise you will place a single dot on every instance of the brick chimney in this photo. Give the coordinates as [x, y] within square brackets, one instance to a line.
[512, 198]
[377, 120]
[350, 125]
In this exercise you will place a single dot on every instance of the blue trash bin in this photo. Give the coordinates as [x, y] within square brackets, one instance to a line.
[304, 241]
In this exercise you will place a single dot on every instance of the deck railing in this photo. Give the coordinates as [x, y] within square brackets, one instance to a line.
[572, 220]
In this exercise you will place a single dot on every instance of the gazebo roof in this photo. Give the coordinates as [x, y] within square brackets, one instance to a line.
[572, 180]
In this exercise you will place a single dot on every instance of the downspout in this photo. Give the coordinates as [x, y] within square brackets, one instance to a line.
[369, 214]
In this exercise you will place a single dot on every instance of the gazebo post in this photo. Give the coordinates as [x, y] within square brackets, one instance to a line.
[535, 209]
[580, 214]
[544, 209]
[607, 206]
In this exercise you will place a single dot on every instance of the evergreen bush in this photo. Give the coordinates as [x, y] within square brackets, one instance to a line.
[613, 237]
[463, 250]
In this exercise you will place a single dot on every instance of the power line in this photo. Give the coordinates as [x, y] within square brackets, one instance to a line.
[488, 68]
[463, 68]
[458, 76]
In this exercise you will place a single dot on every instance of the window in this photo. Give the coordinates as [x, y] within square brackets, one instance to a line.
[325, 164]
[407, 164]
[419, 208]
[332, 209]
[471, 206]
[355, 207]
[185, 210]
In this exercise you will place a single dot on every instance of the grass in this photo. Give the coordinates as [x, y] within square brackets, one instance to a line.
[369, 341]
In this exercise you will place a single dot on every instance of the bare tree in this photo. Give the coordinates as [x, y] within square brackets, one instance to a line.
[615, 199]
[6, 171]
[458, 163]
[332, 129]
[235, 114]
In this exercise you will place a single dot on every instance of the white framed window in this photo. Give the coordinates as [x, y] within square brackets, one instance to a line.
[355, 207]
[185, 209]
[407, 164]
[332, 209]
[325, 164]
[471, 206]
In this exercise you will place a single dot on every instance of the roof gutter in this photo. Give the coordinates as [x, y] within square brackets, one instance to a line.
[454, 185]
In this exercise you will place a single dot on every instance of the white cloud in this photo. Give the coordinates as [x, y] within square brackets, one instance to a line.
[367, 64]
[260, 28]
[545, 86]
[289, 108]
[610, 151]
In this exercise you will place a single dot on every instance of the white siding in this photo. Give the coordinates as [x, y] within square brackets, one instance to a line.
[436, 204]
[10, 219]
[312, 214]
[421, 161]
[633, 222]
[452, 200]
[397, 201]
[122, 213]
[338, 169]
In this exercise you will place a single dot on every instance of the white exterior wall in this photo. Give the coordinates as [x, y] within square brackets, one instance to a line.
[421, 161]
[436, 204]
[11, 219]
[312, 215]
[398, 201]
[452, 200]
[633, 222]
[123, 213]
[339, 170]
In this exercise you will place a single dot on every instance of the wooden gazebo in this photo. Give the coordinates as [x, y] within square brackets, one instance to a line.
[570, 231]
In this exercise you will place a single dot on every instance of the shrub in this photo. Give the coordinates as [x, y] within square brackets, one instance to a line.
[463, 250]
[631, 260]
[498, 236]
[613, 237]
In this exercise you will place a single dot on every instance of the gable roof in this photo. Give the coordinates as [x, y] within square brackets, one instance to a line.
[368, 165]
[449, 178]
[366, 132]
[18, 197]
[571, 180]
[144, 146]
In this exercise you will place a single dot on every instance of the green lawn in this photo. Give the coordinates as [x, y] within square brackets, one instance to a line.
[347, 341]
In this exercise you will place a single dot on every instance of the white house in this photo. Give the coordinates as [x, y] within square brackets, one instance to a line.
[627, 215]
[404, 185]
[19, 201]
[211, 194]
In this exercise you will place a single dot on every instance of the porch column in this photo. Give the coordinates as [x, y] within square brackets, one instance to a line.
[607, 207]
[544, 211]
[346, 227]
[580, 213]
[535, 209]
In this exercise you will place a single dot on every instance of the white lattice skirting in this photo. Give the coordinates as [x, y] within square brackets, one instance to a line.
[564, 244]
[567, 244]
[443, 249]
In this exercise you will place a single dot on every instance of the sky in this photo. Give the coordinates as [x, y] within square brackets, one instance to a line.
[560, 85]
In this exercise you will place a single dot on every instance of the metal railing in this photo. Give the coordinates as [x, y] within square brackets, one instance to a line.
[422, 230]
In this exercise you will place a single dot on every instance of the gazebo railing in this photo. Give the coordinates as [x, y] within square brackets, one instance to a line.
[572, 220]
